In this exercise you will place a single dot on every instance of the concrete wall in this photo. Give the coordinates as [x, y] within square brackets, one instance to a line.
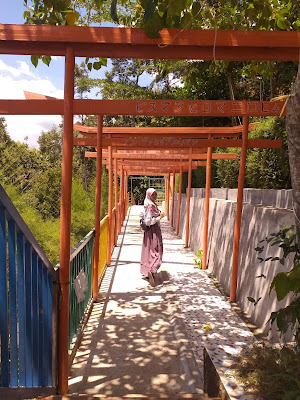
[265, 197]
[257, 223]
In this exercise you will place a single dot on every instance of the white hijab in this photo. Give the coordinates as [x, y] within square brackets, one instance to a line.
[150, 207]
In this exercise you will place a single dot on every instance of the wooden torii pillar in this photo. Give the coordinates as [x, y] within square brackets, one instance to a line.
[179, 201]
[117, 211]
[173, 193]
[206, 207]
[110, 207]
[97, 207]
[188, 199]
[239, 210]
[65, 223]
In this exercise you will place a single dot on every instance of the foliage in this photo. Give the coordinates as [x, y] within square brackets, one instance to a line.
[140, 186]
[269, 372]
[46, 231]
[265, 168]
[269, 168]
[199, 259]
[32, 179]
[285, 283]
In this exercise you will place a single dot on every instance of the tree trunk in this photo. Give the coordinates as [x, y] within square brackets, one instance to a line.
[293, 135]
[231, 90]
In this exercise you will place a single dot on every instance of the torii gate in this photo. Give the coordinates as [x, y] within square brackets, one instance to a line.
[70, 41]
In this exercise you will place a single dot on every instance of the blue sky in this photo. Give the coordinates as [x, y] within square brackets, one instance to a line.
[18, 74]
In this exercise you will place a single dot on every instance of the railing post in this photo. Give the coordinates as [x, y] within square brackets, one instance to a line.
[97, 206]
[126, 193]
[168, 196]
[173, 193]
[179, 200]
[117, 212]
[110, 203]
[206, 207]
[121, 197]
[239, 210]
[188, 199]
[65, 222]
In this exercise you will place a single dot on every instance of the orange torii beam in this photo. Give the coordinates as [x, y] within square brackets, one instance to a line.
[179, 157]
[147, 107]
[232, 45]
[166, 143]
[167, 131]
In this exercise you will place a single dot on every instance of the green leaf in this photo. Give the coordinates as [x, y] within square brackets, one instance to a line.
[149, 10]
[103, 61]
[46, 60]
[113, 11]
[99, 3]
[35, 60]
[268, 258]
[281, 283]
[96, 65]
[251, 299]
[259, 249]
[90, 66]
[261, 276]
[153, 26]
[196, 8]
[281, 23]
[72, 17]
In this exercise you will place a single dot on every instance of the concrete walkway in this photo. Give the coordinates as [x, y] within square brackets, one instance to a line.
[148, 340]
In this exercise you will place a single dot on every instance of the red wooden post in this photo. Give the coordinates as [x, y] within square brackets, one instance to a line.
[179, 201]
[173, 195]
[97, 206]
[117, 214]
[126, 193]
[110, 205]
[239, 210]
[166, 188]
[168, 196]
[65, 223]
[188, 199]
[206, 206]
[121, 198]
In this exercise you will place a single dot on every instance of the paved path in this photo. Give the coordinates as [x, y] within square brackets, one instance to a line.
[148, 340]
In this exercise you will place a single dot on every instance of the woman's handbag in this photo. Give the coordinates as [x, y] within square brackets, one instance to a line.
[143, 225]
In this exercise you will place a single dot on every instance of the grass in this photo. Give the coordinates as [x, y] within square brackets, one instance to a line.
[270, 373]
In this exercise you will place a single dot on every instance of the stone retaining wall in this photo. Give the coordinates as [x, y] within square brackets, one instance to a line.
[257, 222]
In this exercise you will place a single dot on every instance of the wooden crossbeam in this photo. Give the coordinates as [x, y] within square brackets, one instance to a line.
[154, 157]
[218, 108]
[160, 164]
[186, 131]
[178, 143]
[133, 43]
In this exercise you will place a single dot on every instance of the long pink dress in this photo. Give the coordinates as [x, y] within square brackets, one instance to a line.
[152, 249]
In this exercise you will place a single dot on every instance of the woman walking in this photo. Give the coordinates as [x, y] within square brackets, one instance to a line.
[152, 249]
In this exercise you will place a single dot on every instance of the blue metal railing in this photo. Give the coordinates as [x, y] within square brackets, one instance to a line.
[26, 311]
[81, 260]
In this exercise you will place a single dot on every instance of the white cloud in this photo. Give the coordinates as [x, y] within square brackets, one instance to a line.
[6, 70]
[13, 82]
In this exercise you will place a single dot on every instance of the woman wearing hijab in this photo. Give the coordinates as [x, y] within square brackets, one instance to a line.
[152, 249]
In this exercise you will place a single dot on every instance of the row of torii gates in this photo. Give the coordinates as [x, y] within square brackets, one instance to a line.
[172, 150]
